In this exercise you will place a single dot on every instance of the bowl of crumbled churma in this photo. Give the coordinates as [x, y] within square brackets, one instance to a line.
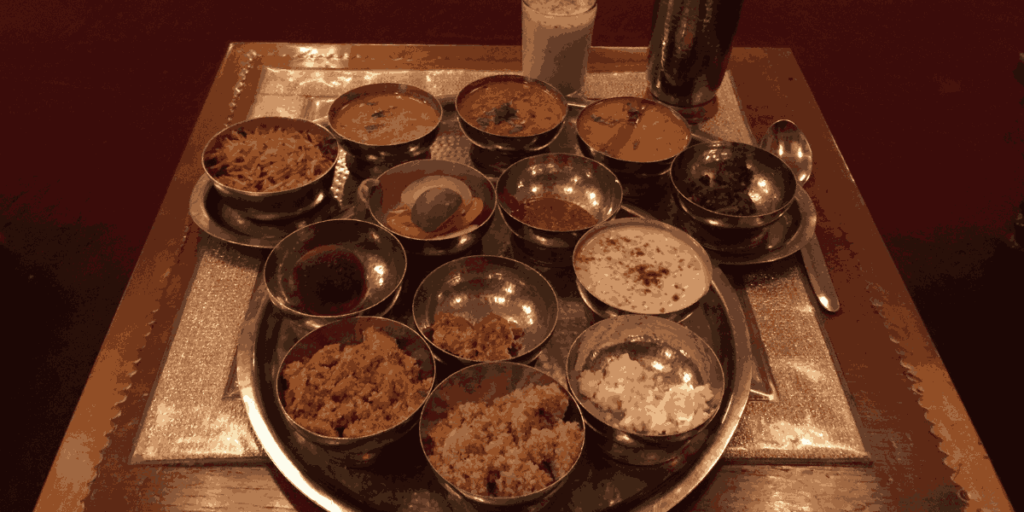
[485, 308]
[352, 387]
[272, 168]
[501, 435]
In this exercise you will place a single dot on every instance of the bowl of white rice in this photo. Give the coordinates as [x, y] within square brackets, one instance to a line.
[646, 386]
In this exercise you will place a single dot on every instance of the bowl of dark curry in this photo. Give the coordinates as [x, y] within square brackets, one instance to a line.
[511, 113]
[386, 121]
[550, 200]
[352, 387]
[485, 308]
[733, 186]
[335, 269]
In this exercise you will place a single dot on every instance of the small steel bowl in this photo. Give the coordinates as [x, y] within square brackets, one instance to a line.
[571, 178]
[492, 141]
[772, 189]
[403, 150]
[354, 451]
[384, 193]
[630, 170]
[658, 344]
[379, 252]
[482, 383]
[474, 286]
[631, 227]
[280, 204]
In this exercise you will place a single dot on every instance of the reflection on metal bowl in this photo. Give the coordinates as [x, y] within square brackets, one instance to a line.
[302, 271]
[771, 186]
[279, 204]
[574, 179]
[354, 451]
[660, 346]
[475, 286]
[482, 383]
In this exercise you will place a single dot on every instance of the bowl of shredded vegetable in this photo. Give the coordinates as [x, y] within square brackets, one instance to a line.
[272, 168]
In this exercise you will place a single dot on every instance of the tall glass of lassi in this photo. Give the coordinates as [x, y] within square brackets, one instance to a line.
[556, 41]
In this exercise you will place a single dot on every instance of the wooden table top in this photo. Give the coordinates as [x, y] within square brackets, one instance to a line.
[926, 454]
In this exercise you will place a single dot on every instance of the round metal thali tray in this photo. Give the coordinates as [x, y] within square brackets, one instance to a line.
[402, 480]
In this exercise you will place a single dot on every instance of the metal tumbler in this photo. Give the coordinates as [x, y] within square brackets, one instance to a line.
[690, 49]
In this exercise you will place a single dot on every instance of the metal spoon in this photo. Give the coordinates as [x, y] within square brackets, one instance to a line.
[786, 141]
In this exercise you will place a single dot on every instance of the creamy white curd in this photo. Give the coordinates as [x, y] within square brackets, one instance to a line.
[641, 269]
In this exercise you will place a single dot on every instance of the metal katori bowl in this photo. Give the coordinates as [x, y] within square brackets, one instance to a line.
[379, 253]
[482, 383]
[354, 451]
[631, 227]
[279, 204]
[472, 287]
[402, 150]
[631, 170]
[493, 142]
[660, 345]
[772, 188]
[571, 178]
[384, 193]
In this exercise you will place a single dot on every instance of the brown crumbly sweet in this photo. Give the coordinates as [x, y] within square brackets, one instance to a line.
[356, 391]
[493, 338]
[512, 446]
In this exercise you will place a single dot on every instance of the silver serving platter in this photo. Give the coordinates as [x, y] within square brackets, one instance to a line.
[402, 479]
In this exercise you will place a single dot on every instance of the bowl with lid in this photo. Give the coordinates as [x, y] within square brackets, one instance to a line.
[733, 186]
[386, 122]
[641, 266]
[646, 386]
[335, 269]
[272, 168]
[511, 113]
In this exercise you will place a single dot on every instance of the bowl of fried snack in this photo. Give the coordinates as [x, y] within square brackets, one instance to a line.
[485, 308]
[511, 113]
[731, 185]
[335, 269]
[501, 435]
[435, 207]
[352, 387]
[386, 121]
[272, 168]
[647, 386]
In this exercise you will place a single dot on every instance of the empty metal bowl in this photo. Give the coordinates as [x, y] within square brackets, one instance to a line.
[567, 177]
[277, 204]
[633, 265]
[384, 193]
[478, 135]
[403, 148]
[628, 168]
[317, 274]
[772, 184]
[354, 451]
[664, 347]
[483, 383]
[474, 286]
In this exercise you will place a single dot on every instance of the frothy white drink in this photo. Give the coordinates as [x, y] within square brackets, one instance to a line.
[556, 41]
